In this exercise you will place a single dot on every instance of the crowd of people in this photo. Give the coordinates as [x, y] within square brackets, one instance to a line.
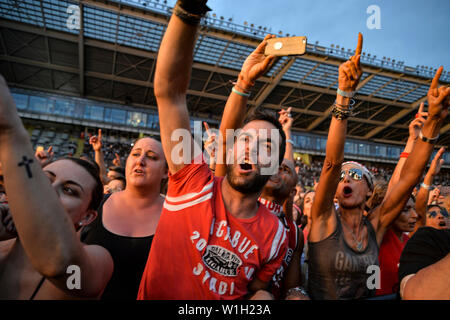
[159, 222]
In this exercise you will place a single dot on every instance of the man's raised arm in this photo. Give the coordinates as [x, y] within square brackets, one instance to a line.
[233, 116]
[173, 69]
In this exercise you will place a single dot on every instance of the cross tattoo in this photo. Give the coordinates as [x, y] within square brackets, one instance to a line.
[26, 162]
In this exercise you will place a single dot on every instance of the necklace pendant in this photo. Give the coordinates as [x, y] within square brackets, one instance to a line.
[359, 246]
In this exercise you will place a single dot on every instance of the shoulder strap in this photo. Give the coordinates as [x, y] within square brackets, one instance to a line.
[37, 288]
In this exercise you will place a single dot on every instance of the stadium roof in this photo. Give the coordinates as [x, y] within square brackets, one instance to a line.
[110, 56]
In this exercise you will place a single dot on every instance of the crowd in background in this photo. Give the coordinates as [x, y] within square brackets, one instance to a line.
[147, 220]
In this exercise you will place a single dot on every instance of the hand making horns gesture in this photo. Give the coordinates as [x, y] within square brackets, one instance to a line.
[350, 72]
[438, 98]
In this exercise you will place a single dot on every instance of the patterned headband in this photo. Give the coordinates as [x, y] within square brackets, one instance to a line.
[366, 173]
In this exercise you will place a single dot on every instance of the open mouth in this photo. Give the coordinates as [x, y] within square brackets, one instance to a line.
[138, 171]
[274, 178]
[347, 191]
[246, 166]
[442, 224]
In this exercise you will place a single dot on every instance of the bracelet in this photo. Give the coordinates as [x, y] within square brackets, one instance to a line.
[347, 94]
[340, 112]
[296, 290]
[246, 95]
[240, 88]
[351, 104]
[291, 142]
[404, 155]
[425, 186]
[188, 18]
[429, 140]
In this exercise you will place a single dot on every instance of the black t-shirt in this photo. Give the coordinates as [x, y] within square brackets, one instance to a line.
[427, 246]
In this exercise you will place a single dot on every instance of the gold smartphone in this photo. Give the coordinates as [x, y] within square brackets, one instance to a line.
[288, 46]
[39, 148]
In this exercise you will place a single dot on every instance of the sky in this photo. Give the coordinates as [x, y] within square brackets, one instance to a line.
[413, 31]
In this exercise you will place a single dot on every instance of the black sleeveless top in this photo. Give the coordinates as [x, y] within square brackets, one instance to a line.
[337, 271]
[128, 253]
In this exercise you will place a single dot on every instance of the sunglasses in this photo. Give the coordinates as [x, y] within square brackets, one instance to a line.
[355, 174]
[434, 213]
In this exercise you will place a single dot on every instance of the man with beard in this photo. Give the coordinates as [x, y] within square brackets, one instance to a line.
[277, 196]
[208, 243]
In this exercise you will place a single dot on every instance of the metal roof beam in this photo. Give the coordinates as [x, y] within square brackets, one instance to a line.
[270, 86]
[333, 93]
[81, 52]
[395, 118]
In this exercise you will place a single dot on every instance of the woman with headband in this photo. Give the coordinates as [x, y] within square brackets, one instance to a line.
[343, 242]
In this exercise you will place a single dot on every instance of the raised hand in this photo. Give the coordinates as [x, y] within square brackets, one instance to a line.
[116, 161]
[96, 141]
[286, 119]
[256, 64]
[350, 72]
[416, 125]
[44, 157]
[438, 98]
[210, 143]
[437, 162]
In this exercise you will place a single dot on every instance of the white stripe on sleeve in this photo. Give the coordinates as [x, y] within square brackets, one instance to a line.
[179, 207]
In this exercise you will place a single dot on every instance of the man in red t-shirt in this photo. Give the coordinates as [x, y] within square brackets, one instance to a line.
[213, 240]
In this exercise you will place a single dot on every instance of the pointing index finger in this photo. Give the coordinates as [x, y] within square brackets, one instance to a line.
[206, 127]
[435, 82]
[421, 107]
[359, 45]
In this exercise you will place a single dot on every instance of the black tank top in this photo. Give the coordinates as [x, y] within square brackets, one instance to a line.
[128, 253]
[337, 271]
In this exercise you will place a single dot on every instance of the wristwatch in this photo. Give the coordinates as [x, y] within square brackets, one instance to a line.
[429, 140]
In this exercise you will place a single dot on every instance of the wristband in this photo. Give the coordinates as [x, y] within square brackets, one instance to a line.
[425, 186]
[347, 94]
[429, 140]
[185, 16]
[404, 155]
[246, 95]
[291, 142]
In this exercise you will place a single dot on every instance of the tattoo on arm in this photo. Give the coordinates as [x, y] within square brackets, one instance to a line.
[26, 162]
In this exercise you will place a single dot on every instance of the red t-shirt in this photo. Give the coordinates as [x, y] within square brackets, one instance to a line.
[291, 242]
[389, 257]
[200, 251]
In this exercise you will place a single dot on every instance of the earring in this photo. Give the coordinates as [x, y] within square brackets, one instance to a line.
[80, 224]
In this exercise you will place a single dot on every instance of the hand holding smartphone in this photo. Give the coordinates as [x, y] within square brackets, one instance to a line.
[287, 46]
